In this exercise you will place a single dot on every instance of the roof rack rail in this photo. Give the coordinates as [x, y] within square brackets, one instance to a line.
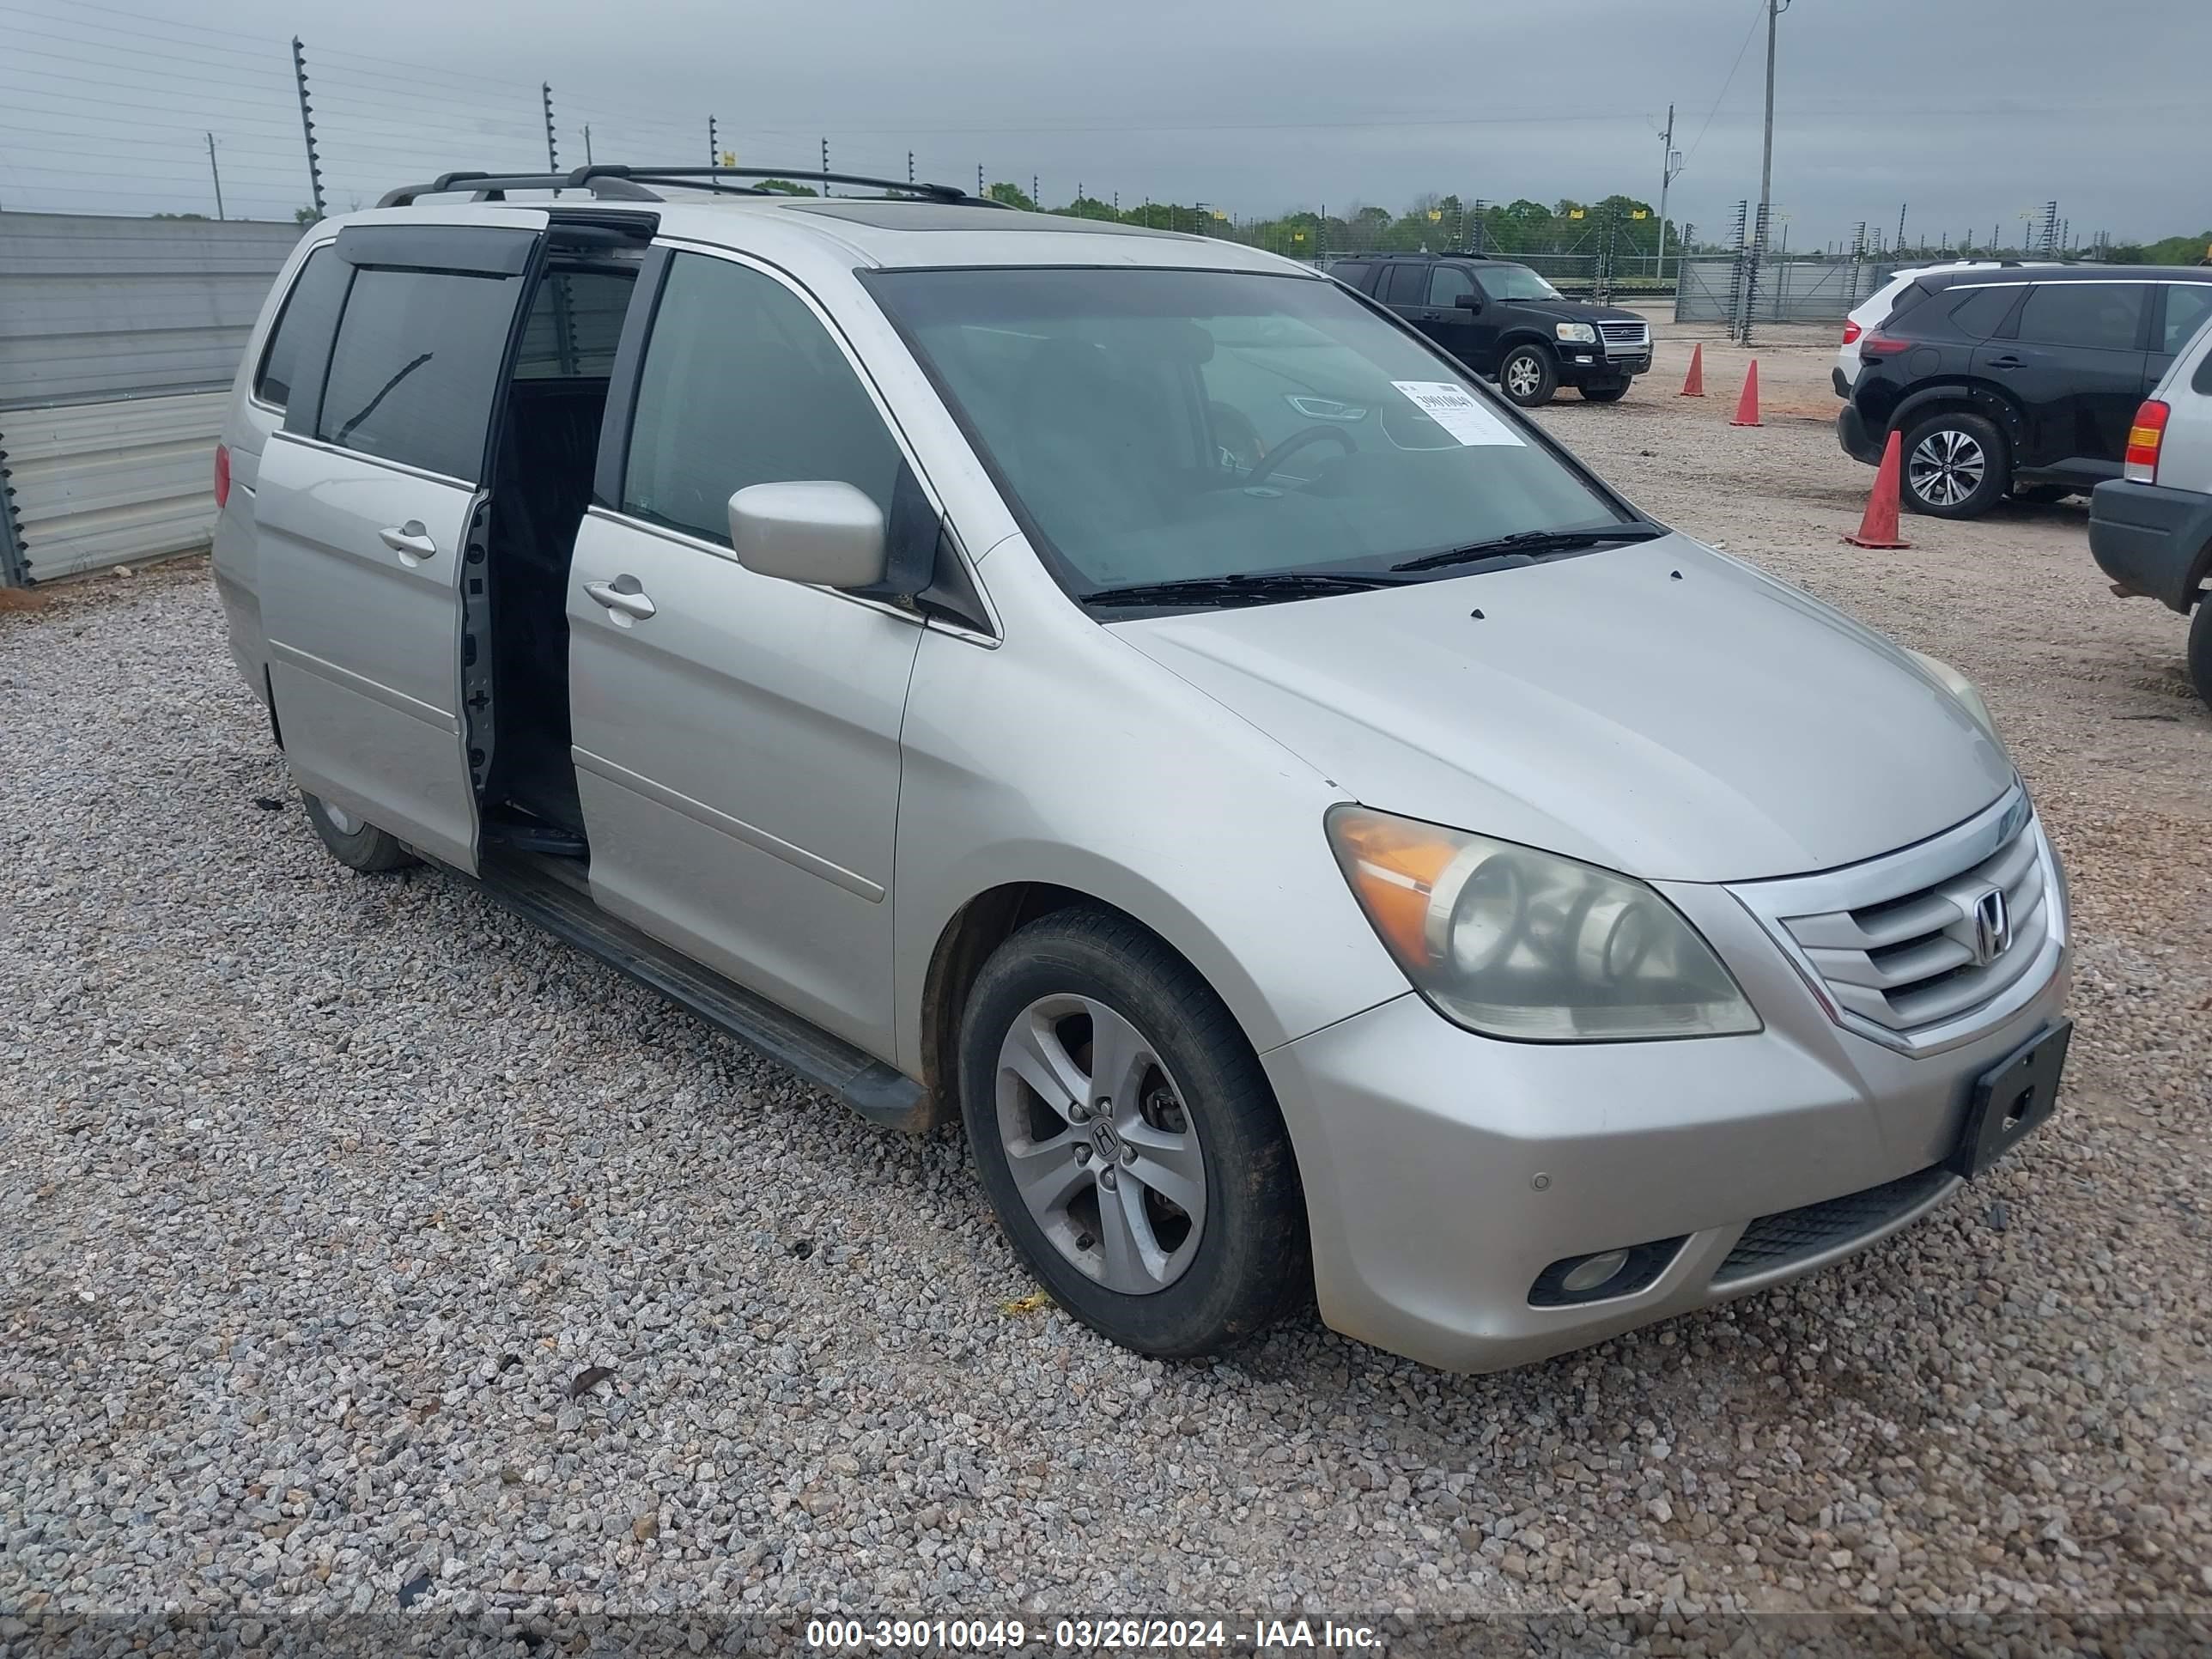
[615, 181]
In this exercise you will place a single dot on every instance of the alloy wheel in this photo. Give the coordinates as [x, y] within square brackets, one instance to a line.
[1522, 377]
[1100, 1145]
[1946, 467]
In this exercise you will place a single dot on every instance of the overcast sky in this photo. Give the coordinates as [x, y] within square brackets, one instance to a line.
[1972, 112]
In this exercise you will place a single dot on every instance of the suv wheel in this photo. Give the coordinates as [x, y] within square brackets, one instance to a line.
[1127, 1138]
[1956, 466]
[1603, 394]
[2200, 651]
[1528, 376]
[354, 843]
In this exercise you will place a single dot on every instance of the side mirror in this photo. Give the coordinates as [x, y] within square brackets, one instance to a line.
[820, 530]
[1468, 302]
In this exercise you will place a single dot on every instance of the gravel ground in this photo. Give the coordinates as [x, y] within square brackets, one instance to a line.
[364, 1248]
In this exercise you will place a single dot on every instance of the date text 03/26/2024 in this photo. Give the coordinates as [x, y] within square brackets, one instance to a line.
[1090, 1635]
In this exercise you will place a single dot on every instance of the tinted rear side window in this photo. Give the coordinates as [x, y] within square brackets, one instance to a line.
[416, 366]
[1409, 284]
[742, 386]
[1980, 312]
[2107, 315]
[574, 322]
[2187, 306]
[300, 319]
[1361, 276]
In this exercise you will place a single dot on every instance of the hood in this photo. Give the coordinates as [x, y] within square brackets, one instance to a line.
[1576, 311]
[1657, 708]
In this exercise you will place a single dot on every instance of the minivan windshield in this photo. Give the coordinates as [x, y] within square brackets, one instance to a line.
[1514, 283]
[1161, 425]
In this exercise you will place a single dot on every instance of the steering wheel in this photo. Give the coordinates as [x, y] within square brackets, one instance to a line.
[1291, 446]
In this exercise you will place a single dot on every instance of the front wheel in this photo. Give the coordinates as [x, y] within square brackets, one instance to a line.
[2200, 651]
[1956, 466]
[353, 842]
[1603, 394]
[1528, 376]
[1127, 1138]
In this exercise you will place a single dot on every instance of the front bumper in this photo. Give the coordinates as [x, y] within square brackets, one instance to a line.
[1604, 363]
[1851, 433]
[1444, 1172]
[2152, 539]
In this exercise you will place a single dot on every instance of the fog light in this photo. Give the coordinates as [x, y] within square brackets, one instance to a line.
[1594, 1271]
[1605, 1274]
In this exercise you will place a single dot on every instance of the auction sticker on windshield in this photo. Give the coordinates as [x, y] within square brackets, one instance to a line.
[1458, 410]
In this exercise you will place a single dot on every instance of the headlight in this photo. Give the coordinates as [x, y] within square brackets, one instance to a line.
[1514, 943]
[1582, 331]
[1962, 688]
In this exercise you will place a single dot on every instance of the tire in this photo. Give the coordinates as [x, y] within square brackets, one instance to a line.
[2040, 495]
[2200, 651]
[1171, 1280]
[1602, 394]
[357, 845]
[1956, 466]
[1534, 370]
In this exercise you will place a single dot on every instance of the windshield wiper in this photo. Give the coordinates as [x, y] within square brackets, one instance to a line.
[1244, 587]
[1528, 546]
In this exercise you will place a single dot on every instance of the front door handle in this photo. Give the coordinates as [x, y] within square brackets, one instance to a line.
[624, 594]
[2005, 362]
[411, 539]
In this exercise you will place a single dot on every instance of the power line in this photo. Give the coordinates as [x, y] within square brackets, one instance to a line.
[1727, 82]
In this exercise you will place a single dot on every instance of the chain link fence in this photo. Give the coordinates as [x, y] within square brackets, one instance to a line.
[1742, 290]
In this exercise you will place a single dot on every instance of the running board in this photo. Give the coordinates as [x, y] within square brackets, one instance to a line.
[552, 893]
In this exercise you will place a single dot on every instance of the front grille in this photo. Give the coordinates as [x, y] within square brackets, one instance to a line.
[1906, 943]
[1621, 339]
[1790, 1236]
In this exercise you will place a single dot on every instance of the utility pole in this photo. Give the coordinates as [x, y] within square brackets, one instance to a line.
[1670, 163]
[217, 172]
[587, 143]
[909, 166]
[1774, 10]
[308, 126]
[825, 167]
[979, 179]
[552, 154]
[714, 144]
[1035, 193]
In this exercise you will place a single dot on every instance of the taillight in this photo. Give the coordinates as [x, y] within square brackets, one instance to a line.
[1879, 344]
[2144, 438]
[221, 476]
[1851, 330]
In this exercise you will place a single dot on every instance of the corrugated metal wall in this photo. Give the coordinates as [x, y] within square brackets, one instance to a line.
[118, 339]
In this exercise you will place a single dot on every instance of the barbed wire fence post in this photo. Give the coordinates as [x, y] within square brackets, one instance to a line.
[307, 124]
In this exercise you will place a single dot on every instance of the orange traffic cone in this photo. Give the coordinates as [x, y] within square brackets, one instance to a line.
[1878, 528]
[1694, 383]
[1746, 407]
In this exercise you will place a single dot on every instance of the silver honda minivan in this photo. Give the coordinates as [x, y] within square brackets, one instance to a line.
[1132, 694]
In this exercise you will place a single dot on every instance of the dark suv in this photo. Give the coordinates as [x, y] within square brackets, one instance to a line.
[2017, 382]
[1504, 321]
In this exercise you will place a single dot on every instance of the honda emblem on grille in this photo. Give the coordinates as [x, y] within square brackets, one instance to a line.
[1992, 927]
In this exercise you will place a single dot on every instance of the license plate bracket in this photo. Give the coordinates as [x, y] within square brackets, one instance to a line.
[2011, 1100]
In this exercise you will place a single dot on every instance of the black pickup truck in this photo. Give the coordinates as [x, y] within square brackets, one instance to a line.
[1507, 323]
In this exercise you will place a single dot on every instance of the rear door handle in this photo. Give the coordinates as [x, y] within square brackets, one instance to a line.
[2005, 362]
[410, 538]
[624, 594]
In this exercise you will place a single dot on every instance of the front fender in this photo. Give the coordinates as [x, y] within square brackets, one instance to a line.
[1065, 756]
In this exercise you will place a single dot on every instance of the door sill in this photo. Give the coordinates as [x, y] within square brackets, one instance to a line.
[553, 892]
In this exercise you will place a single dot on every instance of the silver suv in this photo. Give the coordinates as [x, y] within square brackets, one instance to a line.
[1134, 695]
